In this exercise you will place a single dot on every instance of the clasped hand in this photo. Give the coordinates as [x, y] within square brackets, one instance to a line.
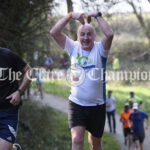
[81, 16]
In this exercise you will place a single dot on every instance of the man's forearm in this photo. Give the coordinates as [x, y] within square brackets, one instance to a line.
[106, 29]
[148, 122]
[60, 26]
[26, 79]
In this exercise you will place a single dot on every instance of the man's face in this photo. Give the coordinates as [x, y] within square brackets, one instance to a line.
[135, 110]
[126, 108]
[131, 94]
[86, 37]
[109, 94]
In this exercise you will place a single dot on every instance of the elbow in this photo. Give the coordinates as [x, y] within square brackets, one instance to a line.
[110, 35]
[52, 33]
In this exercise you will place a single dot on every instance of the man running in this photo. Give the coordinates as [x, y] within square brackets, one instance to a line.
[137, 123]
[87, 109]
[110, 109]
[11, 67]
[124, 118]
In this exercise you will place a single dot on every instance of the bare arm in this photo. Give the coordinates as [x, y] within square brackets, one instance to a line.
[26, 78]
[15, 97]
[56, 31]
[107, 31]
[148, 123]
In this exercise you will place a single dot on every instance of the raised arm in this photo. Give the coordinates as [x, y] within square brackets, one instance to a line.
[56, 31]
[107, 31]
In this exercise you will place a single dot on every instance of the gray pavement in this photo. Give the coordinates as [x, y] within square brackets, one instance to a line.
[61, 104]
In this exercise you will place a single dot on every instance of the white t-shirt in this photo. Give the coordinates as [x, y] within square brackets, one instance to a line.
[91, 91]
[110, 104]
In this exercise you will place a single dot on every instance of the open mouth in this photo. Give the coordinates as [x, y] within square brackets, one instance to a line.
[85, 42]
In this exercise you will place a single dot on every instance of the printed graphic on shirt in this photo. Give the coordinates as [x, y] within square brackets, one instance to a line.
[75, 75]
[83, 60]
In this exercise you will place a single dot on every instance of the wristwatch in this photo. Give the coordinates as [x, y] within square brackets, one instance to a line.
[20, 91]
[99, 14]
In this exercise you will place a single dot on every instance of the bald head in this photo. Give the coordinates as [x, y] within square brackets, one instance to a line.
[87, 26]
[86, 36]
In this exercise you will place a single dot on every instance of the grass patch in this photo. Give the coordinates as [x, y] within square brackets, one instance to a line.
[112, 144]
[42, 128]
[55, 87]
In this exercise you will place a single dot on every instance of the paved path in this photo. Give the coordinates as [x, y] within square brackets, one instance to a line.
[61, 104]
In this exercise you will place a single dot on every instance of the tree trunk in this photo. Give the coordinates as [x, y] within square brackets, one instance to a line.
[73, 26]
[141, 20]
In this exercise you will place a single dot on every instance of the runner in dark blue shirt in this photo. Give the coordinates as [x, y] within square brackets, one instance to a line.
[12, 70]
[137, 121]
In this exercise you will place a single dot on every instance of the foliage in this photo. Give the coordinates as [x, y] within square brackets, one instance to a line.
[40, 127]
[135, 52]
[23, 25]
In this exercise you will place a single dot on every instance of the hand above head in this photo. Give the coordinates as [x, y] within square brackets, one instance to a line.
[78, 16]
[89, 15]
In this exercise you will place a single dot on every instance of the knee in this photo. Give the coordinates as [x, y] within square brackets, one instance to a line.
[94, 145]
[77, 140]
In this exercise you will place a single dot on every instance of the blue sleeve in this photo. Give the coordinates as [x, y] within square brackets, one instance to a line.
[130, 117]
[144, 114]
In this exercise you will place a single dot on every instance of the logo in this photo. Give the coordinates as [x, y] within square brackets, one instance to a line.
[83, 60]
[75, 75]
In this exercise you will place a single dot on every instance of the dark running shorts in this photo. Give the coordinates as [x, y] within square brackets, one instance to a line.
[91, 117]
[8, 125]
[126, 131]
[139, 137]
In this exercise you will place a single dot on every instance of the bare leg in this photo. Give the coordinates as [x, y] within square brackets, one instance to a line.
[4, 145]
[77, 134]
[137, 145]
[41, 90]
[125, 140]
[94, 142]
[129, 141]
[14, 148]
[141, 146]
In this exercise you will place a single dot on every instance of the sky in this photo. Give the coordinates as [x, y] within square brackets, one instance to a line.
[120, 8]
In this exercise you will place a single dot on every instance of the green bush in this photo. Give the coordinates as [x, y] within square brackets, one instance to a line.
[42, 128]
